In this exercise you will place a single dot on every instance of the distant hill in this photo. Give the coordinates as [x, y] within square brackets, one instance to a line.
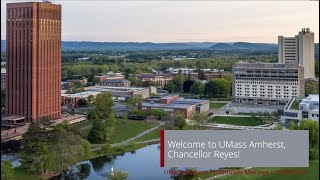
[101, 46]
[135, 46]
[244, 45]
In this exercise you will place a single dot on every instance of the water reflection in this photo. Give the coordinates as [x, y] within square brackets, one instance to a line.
[141, 164]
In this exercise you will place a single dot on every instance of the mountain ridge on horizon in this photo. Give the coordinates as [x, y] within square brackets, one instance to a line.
[135, 46]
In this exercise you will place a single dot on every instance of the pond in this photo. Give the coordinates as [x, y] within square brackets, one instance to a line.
[141, 164]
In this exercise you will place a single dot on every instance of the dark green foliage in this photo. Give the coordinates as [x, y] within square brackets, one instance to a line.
[187, 85]
[97, 133]
[47, 148]
[179, 121]
[197, 88]
[217, 88]
[92, 115]
[82, 102]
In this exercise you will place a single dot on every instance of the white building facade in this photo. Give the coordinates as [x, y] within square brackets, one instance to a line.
[308, 109]
[267, 83]
[299, 50]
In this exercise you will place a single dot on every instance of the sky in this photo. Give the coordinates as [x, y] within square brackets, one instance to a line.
[183, 21]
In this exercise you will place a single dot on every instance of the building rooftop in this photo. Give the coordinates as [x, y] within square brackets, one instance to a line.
[81, 95]
[110, 88]
[189, 101]
[311, 98]
[170, 105]
[154, 75]
[115, 81]
[12, 118]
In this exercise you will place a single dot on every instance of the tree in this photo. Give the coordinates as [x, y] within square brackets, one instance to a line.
[160, 114]
[313, 128]
[210, 89]
[187, 85]
[92, 115]
[199, 119]
[82, 102]
[223, 87]
[171, 88]
[103, 103]
[117, 175]
[109, 125]
[197, 88]
[178, 81]
[68, 148]
[97, 133]
[86, 147]
[216, 87]
[90, 99]
[311, 87]
[135, 100]
[7, 171]
[35, 151]
[180, 122]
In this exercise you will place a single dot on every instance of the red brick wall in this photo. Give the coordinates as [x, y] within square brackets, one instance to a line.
[33, 60]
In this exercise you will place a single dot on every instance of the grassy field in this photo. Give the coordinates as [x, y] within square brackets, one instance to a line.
[22, 174]
[239, 121]
[313, 174]
[152, 135]
[156, 133]
[126, 129]
[216, 105]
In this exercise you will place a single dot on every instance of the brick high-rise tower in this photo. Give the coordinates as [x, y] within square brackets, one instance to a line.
[33, 60]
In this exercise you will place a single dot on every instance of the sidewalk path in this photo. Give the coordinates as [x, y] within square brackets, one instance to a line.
[126, 142]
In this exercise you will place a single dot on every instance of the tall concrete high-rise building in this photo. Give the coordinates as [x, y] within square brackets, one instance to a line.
[33, 60]
[298, 50]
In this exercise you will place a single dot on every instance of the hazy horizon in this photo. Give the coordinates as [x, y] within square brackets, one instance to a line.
[183, 21]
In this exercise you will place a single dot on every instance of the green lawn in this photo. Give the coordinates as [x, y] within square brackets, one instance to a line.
[156, 133]
[22, 174]
[240, 121]
[152, 135]
[313, 174]
[216, 105]
[126, 129]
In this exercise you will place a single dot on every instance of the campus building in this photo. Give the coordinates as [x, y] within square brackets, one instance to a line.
[298, 50]
[71, 100]
[115, 83]
[308, 108]
[267, 83]
[157, 79]
[33, 57]
[174, 104]
[109, 76]
[124, 93]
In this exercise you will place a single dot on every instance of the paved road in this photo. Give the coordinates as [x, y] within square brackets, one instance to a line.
[126, 142]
